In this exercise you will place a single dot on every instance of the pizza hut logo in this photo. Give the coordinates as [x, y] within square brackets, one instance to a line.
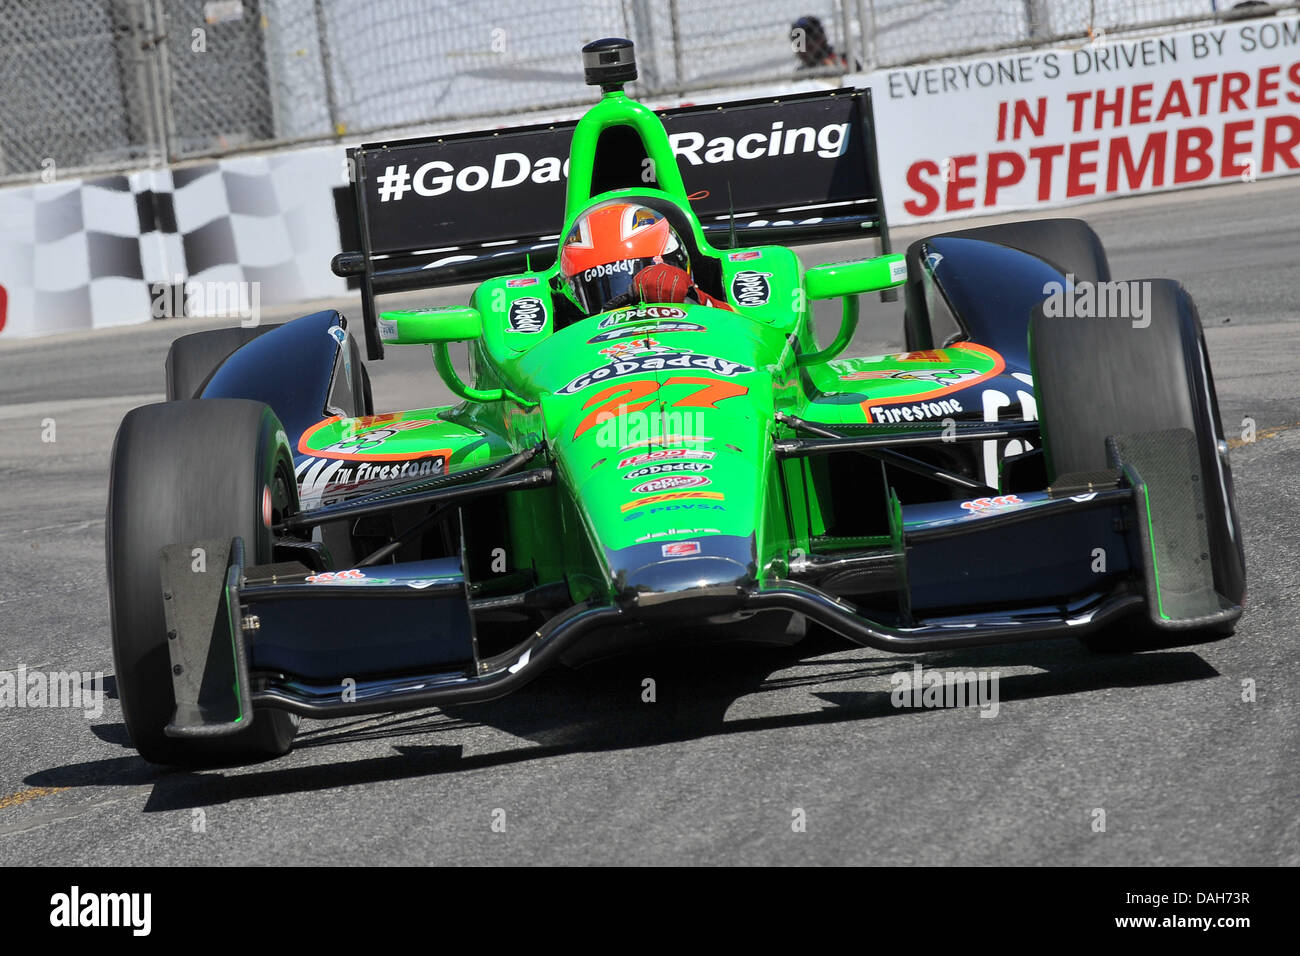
[521, 282]
[743, 256]
[664, 454]
[751, 288]
[623, 316]
[680, 549]
[527, 314]
[986, 504]
[330, 577]
[670, 483]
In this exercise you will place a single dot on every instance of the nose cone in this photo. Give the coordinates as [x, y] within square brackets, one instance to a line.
[664, 442]
[685, 579]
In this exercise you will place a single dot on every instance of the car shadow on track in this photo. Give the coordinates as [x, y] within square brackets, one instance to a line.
[601, 708]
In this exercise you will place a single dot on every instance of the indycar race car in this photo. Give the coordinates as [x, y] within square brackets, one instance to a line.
[651, 445]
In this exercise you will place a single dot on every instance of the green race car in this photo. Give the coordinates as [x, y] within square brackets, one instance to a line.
[651, 445]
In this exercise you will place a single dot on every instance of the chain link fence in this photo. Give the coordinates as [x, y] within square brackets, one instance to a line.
[109, 84]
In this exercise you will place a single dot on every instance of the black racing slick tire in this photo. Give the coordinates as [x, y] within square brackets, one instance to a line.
[186, 471]
[193, 358]
[1068, 245]
[1095, 377]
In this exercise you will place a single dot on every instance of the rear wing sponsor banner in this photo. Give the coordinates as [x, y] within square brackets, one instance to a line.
[1112, 117]
[457, 191]
[447, 209]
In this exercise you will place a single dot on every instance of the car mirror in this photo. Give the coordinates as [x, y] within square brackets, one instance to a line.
[836, 279]
[430, 326]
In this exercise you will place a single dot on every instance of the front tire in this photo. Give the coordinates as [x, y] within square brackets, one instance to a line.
[193, 358]
[1068, 245]
[186, 471]
[1096, 377]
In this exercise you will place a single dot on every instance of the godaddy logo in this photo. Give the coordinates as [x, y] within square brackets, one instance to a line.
[692, 147]
[658, 363]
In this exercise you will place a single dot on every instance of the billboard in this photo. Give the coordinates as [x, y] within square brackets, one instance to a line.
[1111, 117]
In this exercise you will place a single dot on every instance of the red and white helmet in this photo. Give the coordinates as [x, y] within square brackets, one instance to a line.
[608, 245]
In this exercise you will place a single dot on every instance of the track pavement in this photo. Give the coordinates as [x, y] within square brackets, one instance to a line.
[738, 742]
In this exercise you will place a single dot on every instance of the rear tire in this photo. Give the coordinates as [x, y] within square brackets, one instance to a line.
[1095, 377]
[193, 358]
[184, 471]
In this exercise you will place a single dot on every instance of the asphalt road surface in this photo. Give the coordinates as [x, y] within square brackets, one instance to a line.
[741, 746]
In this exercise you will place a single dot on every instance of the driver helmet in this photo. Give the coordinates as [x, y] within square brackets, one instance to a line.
[608, 245]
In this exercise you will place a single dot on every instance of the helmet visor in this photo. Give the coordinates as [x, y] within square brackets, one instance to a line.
[608, 286]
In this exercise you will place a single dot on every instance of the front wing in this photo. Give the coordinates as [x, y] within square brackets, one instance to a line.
[401, 636]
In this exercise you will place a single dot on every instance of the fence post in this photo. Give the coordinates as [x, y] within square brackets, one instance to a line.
[678, 81]
[142, 94]
[846, 31]
[650, 80]
[154, 18]
[327, 67]
[867, 22]
[1036, 19]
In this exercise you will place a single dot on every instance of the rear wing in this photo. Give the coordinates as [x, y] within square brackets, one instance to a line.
[444, 210]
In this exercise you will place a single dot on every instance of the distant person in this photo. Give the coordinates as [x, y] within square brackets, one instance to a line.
[812, 48]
